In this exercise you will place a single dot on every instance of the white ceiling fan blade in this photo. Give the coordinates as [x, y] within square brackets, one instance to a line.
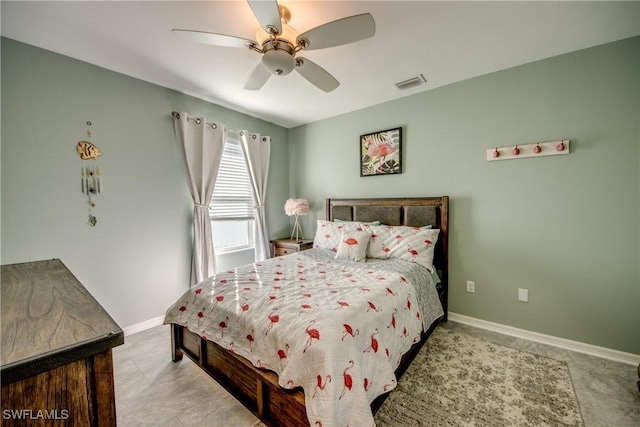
[339, 32]
[211, 38]
[267, 14]
[257, 78]
[316, 75]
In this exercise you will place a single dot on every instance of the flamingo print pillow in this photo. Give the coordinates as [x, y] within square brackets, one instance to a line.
[328, 233]
[353, 245]
[408, 243]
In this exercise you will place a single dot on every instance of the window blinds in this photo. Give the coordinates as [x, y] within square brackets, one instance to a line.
[232, 197]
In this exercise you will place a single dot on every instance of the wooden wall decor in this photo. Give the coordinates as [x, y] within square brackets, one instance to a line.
[90, 175]
[87, 150]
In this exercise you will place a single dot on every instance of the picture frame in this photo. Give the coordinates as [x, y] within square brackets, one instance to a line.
[381, 152]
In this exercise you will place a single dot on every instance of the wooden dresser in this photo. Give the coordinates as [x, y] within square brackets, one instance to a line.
[55, 363]
[286, 246]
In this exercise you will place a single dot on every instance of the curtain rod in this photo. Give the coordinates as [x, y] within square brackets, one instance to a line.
[176, 115]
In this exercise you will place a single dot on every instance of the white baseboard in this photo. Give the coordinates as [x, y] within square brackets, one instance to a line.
[143, 326]
[580, 347]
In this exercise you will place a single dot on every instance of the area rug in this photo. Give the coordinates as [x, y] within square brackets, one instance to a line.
[460, 380]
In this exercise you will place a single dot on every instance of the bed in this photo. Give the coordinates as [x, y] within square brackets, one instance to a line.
[306, 339]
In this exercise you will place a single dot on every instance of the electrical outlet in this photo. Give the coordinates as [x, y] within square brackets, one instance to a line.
[523, 295]
[471, 286]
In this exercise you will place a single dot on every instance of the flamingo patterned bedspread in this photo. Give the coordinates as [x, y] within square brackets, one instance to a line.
[335, 328]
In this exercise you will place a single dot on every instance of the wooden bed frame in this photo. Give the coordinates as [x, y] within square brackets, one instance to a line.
[257, 389]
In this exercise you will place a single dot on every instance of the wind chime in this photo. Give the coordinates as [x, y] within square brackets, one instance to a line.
[90, 175]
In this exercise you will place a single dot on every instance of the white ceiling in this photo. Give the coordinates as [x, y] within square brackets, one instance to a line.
[446, 41]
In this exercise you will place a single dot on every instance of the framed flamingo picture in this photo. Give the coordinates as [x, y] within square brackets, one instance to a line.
[381, 152]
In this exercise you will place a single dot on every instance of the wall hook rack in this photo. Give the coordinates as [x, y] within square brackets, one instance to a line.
[538, 149]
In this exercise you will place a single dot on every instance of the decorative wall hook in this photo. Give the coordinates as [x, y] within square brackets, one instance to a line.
[538, 149]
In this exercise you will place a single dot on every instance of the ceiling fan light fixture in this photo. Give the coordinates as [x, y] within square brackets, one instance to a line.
[279, 62]
[278, 49]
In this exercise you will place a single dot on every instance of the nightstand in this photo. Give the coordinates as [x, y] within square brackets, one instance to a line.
[286, 246]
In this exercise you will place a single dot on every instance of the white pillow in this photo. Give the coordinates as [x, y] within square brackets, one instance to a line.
[353, 245]
[408, 243]
[328, 233]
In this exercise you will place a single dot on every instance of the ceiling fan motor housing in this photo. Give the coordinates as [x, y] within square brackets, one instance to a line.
[278, 59]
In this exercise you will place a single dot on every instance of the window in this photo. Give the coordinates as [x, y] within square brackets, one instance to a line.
[231, 206]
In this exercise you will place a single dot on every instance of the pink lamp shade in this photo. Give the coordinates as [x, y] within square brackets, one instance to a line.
[296, 207]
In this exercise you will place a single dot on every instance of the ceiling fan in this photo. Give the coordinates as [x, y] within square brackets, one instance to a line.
[279, 44]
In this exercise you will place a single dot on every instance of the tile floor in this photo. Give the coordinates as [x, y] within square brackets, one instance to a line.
[153, 391]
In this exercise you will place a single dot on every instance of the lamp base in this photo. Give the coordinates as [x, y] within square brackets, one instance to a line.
[296, 230]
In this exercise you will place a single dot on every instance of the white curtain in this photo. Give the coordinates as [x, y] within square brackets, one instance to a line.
[257, 150]
[201, 145]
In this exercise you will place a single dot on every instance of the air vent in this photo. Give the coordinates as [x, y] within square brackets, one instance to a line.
[412, 82]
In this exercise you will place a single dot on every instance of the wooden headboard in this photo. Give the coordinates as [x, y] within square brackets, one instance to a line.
[414, 212]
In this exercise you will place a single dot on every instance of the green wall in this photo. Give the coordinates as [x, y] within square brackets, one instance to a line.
[567, 228]
[136, 261]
